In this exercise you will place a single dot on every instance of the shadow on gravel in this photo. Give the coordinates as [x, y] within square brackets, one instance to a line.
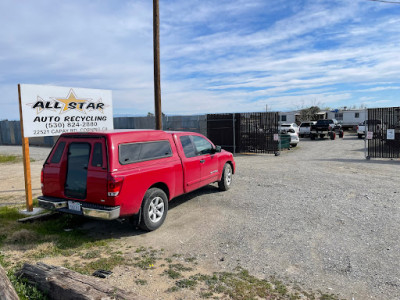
[358, 150]
[99, 229]
[345, 160]
[209, 189]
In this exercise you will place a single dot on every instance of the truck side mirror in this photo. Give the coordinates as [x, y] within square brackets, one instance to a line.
[217, 149]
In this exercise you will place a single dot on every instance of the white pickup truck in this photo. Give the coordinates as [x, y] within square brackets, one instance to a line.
[304, 129]
[361, 127]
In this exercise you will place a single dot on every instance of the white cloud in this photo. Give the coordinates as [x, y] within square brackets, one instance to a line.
[216, 56]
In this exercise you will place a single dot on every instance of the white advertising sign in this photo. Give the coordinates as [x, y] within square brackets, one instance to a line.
[390, 134]
[53, 110]
[370, 135]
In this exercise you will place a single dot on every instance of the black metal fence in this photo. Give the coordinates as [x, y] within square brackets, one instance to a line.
[384, 128]
[223, 130]
[245, 132]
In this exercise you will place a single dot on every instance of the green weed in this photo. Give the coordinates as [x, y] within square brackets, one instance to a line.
[173, 274]
[9, 158]
[24, 290]
[101, 264]
[141, 282]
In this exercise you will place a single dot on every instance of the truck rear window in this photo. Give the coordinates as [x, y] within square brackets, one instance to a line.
[135, 152]
[324, 122]
[58, 153]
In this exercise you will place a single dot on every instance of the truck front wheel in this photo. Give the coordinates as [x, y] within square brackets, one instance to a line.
[226, 178]
[154, 209]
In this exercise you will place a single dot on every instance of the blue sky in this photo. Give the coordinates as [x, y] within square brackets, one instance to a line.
[216, 56]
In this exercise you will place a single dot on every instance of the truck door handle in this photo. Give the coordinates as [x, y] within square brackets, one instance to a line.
[202, 161]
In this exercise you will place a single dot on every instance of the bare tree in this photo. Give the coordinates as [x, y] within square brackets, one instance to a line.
[309, 114]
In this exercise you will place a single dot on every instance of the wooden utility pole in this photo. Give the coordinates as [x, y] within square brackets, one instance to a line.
[157, 84]
[26, 159]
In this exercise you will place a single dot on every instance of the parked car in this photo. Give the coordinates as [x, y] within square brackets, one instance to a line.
[294, 137]
[288, 126]
[326, 127]
[304, 128]
[130, 173]
[376, 124]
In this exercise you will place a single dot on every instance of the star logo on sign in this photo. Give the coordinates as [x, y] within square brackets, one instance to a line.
[71, 98]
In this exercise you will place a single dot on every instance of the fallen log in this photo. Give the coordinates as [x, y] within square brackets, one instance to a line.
[61, 283]
[7, 291]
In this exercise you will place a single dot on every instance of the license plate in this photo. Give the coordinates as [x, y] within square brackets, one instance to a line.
[74, 206]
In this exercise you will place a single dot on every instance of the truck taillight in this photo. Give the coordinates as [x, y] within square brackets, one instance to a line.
[41, 178]
[114, 185]
[357, 128]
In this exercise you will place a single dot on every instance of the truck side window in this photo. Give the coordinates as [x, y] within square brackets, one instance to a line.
[97, 156]
[58, 153]
[155, 150]
[188, 146]
[135, 152]
[202, 145]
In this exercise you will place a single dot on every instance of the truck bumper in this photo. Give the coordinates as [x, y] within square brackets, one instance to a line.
[79, 208]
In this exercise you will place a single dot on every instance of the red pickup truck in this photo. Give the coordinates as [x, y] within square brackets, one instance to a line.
[130, 173]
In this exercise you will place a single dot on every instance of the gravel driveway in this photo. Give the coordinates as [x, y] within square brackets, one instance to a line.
[319, 215]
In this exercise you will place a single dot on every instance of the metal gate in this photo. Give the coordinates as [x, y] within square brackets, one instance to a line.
[223, 130]
[257, 132]
[383, 138]
[245, 132]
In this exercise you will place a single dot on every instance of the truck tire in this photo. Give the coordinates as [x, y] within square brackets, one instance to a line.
[321, 136]
[341, 134]
[333, 135]
[154, 209]
[226, 178]
[359, 136]
[301, 135]
[312, 137]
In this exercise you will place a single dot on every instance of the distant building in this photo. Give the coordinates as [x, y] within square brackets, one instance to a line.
[348, 118]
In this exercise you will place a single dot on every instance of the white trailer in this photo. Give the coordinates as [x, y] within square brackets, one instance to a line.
[348, 118]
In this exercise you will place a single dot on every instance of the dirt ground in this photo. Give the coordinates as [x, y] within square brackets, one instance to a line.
[320, 216]
[12, 183]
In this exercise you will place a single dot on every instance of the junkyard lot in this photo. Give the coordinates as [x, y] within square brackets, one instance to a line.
[320, 215]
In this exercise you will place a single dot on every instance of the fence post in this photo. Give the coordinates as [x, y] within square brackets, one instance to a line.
[365, 133]
[234, 133]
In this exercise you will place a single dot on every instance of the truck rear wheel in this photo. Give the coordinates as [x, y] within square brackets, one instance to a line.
[312, 137]
[333, 135]
[226, 178]
[154, 209]
[359, 136]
